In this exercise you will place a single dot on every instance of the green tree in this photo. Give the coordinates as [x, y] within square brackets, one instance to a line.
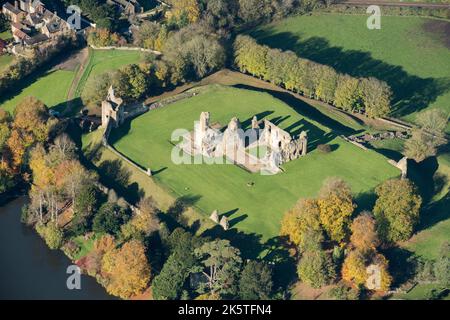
[397, 209]
[420, 146]
[316, 268]
[376, 97]
[442, 266]
[220, 265]
[347, 95]
[52, 234]
[96, 89]
[256, 281]
[109, 218]
[169, 283]
[327, 84]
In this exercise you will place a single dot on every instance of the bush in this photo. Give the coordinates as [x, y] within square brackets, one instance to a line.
[71, 249]
[324, 148]
[51, 233]
[343, 292]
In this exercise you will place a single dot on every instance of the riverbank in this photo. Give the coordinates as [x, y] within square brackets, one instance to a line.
[29, 269]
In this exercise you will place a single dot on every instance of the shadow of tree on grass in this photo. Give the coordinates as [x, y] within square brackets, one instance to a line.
[410, 93]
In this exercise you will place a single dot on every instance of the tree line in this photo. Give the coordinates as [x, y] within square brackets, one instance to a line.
[369, 96]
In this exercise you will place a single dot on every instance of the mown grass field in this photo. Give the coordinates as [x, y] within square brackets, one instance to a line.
[101, 61]
[257, 209]
[51, 88]
[409, 53]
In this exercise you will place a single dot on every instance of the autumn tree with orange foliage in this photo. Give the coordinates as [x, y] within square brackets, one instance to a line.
[336, 208]
[143, 222]
[364, 234]
[297, 221]
[364, 265]
[127, 270]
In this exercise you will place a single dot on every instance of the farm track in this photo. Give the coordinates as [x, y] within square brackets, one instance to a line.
[84, 59]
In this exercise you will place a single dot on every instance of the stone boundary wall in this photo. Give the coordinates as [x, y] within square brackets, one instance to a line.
[158, 53]
[137, 112]
[359, 145]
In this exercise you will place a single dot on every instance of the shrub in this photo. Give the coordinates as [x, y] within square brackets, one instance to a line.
[324, 148]
[51, 233]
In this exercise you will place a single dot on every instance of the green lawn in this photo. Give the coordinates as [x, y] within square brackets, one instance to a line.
[51, 88]
[5, 60]
[259, 208]
[435, 217]
[420, 292]
[415, 62]
[86, 246]
[101, 61]
[6, 35]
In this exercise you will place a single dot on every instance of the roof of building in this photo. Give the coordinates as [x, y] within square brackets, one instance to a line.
[36, 39]
[8, 6]
[20, 34]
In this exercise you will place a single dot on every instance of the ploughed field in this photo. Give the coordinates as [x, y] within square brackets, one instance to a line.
[253, 202]
[411, 54]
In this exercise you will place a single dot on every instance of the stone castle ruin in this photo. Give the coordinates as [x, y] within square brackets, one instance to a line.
[239, 147]
[112, 109]
[115, 111]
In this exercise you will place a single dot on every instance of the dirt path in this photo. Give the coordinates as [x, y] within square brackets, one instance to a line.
[81, 60]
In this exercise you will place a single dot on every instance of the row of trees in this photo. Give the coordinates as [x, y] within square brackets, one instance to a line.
[228, 14]
[220, 16]
[332, 244]
[365, 95]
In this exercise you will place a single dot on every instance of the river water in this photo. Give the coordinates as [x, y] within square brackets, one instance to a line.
[29, 269]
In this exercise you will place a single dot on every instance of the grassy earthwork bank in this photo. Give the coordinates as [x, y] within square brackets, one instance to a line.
[255, 209]
[411, 54]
